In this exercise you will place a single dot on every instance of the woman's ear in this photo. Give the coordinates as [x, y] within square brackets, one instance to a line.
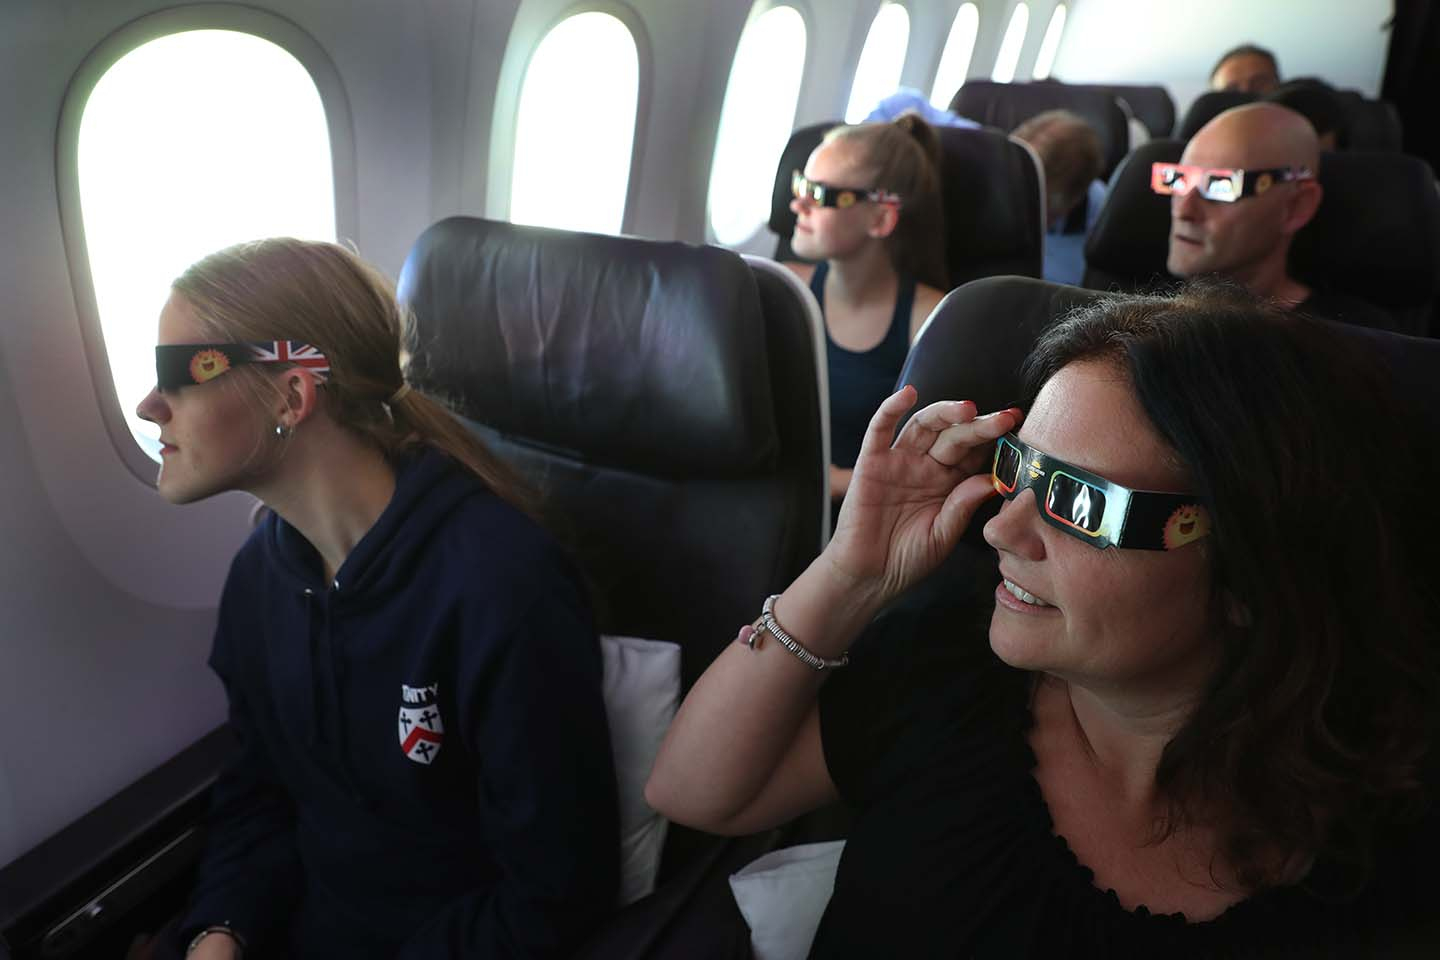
[887, 218]
[300, 397]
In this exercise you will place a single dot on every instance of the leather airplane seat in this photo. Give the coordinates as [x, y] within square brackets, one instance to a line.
[1151, 104]
[1370, 125]
[1007, 105]
[1207, 107]
[991, 187]
[665, 403]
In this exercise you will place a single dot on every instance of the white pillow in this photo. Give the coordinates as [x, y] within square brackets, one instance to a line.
[641, 687]
[782, 896]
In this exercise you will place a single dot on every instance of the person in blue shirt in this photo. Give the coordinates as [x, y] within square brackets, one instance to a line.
[1070, 153]
[869, 220]
[423, 764]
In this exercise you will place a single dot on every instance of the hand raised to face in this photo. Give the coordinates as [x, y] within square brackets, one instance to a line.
[910, 501]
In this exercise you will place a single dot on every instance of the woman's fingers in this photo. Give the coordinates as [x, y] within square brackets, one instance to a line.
[960, 506]
[954, 445]
[922, 429]
[882, 425]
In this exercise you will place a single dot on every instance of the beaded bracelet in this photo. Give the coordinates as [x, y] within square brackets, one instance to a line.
[766, 623]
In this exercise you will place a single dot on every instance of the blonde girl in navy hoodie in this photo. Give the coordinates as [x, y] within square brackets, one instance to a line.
[414, 679]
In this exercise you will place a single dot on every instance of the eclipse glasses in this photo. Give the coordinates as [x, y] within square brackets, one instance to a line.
[822, 194]
[1090, 508]
[1220, 183]
[187, 364]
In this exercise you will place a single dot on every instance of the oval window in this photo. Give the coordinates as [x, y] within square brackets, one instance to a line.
[189, 143]
[576, 127]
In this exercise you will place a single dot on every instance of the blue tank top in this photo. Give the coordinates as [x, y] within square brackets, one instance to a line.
[860, 381]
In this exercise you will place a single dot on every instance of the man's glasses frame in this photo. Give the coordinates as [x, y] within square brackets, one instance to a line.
[1091, 508]
[1222, 184]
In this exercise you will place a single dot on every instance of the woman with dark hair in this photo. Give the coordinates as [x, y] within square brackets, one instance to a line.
[413, 674]
[1203, 722]
[868, 208]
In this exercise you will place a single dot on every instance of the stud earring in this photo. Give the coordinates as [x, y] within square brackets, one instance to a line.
[281, 431]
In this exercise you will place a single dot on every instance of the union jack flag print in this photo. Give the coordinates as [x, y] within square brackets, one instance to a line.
[292, 351]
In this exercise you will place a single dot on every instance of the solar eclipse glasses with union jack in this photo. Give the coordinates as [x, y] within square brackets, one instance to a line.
[186, 364]
[1090, 508]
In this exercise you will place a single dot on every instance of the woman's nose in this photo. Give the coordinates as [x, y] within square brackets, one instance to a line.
[1016, 528]
[153, 407]
[798, 205]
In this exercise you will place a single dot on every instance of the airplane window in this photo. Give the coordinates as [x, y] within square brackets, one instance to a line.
[755, 122]
[189, 143]
[1009, 54]
[1051, 44]
[575, 174]
[955, 61]
[878, 72]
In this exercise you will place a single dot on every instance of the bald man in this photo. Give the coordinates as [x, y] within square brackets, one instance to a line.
[1243, 230]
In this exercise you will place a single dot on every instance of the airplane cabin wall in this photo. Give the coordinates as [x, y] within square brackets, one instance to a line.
[1175, 44]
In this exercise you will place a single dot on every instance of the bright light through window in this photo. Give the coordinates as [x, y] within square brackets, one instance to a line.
[955, 61]
[1051, 44]
[1009, 56]
[190, 143]
[878, 73]
[756, 122]
[576, 127]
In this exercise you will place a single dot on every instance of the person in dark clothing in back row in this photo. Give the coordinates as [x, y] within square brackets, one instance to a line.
[1242, 190]
[414, 679]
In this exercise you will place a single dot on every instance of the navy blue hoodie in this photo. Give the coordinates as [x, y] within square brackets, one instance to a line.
[424, 766]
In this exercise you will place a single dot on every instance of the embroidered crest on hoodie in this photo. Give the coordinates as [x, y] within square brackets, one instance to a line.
[421, 729]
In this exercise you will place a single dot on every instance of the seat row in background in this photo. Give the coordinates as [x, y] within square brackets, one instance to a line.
[1376, 237]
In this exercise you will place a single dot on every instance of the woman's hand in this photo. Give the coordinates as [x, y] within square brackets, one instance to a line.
[909, 503]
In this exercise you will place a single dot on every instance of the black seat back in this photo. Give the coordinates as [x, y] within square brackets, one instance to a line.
[1207, 107]
[1007, 105]
[1370, 125]
[1376, 235]
[1128, 245]
[663, 400]
[991, 189]
[1151, 104]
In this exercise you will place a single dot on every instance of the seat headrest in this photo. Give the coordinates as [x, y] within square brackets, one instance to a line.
[1151, 104]
[1207, 107]
[615, 351]
[1007, 105]
[1370, 125]
[1129, 242]
[1377, 233]
[991, 191]
[963, 353]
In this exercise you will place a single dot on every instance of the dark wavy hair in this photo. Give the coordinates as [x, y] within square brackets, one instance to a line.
[1312, 734]
[1247, 50]
[904, 155]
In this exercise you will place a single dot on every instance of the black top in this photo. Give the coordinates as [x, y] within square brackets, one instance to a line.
[859, 382]
[953, 854]
[1327, 305]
